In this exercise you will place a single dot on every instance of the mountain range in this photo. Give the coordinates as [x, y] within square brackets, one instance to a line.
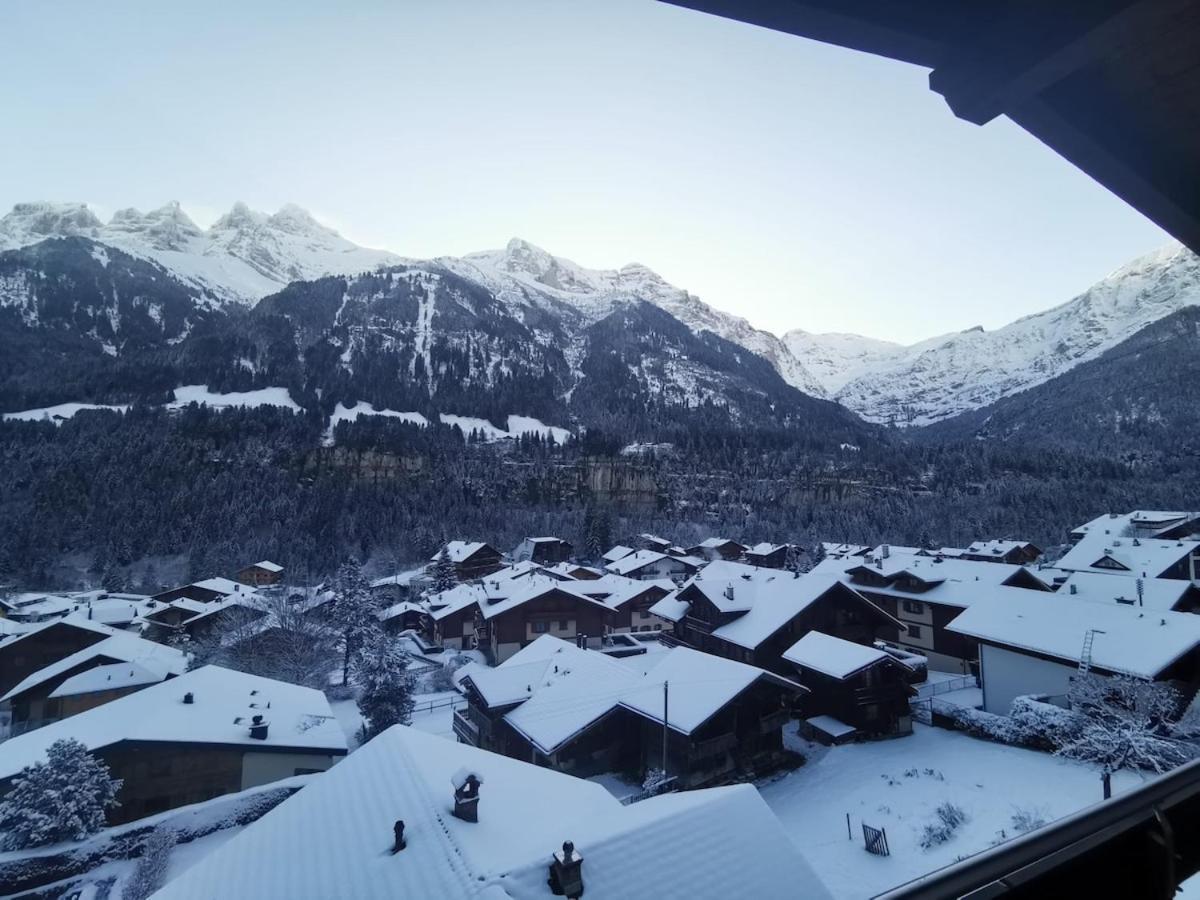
[259, 297]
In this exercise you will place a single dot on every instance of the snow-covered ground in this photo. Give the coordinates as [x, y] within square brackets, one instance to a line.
[57, 413]
[199, 393]
[342, 413]
[896, 785]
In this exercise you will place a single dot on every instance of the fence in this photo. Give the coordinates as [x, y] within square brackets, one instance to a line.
[875, 840]
[665, 786]
[933, 688]
[442, 703]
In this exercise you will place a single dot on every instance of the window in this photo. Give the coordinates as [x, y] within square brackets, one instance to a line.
[564, 624]
[916, 607]
[539, 628]
[914, 631]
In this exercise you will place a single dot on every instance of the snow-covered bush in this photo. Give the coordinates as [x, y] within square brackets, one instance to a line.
[1030, 723]
[1027, 819]
[64, 798]
[442, 678]
[1126, 722]
[386, 684]
[150, 873]
[948, 818]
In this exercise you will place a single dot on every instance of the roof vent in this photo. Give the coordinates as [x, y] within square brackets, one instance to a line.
[398, 836]
[466, 795]
[1074, 588]
[189, 697]
[258, 728]
[566, 873]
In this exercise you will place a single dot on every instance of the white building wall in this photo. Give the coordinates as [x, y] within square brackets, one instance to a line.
[1007, 675]
[265, 767]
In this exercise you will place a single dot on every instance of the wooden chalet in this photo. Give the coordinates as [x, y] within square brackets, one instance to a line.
[863, 687]
[725, 722]
[545, 551]
[715, 548]
[1015, 553]
[754, 615]
[45, 644]
[472, 559]
[651, 565]
[209, 732]
[767, 555]
[261, 574]
[926, 593]
[209, 590]
[629, 602]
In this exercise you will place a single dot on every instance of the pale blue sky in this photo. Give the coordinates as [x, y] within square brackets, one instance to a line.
[797, 184]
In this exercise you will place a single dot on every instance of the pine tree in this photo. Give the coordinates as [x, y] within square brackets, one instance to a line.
[442, 574]
[150, 873]
[64, 798]
[386, 684]
[353, 611]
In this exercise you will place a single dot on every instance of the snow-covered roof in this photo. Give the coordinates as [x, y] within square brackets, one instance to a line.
[400, 578]
[714, 543]
[46, 606]
[639, 559]
[950, 582]
[121, 646]
[1157, 593]
[833, 656]
[266, 565]
[336, 836]
[831, 726]
[224, 702]
[73, 620]
[1143, 522]
[845, 549]
[460, 551]
[111, 677]
[614, 591]
[496, 595]
[767, 598]
[997, 547]
[764, 548]
[574, 688]
[1131, 556]
[671, 607]
[220, 585]
[1135, 640]
[399, 609]
[617, 552]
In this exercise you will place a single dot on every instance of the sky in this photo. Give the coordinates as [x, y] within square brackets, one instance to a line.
[797, 184]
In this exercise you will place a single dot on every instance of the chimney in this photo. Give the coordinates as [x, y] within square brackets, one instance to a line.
[258, 728]
[466, 795]
[566, 873]
[729, 592]
[189, 698]
[398, 835]
[885, 551]
[1074, 588]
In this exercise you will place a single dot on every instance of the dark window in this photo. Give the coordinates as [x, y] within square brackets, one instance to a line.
[914, 631]
[563, 624]
[539, 627]
[915, 607]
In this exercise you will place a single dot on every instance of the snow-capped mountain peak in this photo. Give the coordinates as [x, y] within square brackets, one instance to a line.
[29, 223]
[165, 228]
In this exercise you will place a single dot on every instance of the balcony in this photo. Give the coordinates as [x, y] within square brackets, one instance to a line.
[466, 730]
[713, 746]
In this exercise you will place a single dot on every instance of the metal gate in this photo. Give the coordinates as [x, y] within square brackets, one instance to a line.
[875, 840]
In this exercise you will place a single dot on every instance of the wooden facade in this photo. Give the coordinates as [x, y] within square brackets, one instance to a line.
[21, 658]
[259, 576]
[839, 612]
[556, 612]
[634, 613]
[875, 700]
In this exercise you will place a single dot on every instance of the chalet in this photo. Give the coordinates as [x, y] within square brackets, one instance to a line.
[1033, 643]
[574, 571]
[199, 620]
[545, 551]
[1157, 524]
[500, 616]
[382, 825]
[865, 688]
[401, 586]
[472, 559]
[618, 552]
[1151, 593]
[628, 600]
[208, 732]
[25, 653]
[926, 593]
[209, 590]
[769, 556]
[261, 574]
[583, 713]
[35, 608]
[404, 616]
[1109, 554]
[650, 565]
[36, 701]
[714, 548]
[654, 542]
[1016, 553]
[841, 551]
[753, 615]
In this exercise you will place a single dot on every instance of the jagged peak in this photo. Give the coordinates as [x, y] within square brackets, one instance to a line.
[240, 216]
[297, 220]
[47, 219]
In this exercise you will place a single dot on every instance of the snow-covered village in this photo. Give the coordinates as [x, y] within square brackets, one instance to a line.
[617, 449]
[830, 720]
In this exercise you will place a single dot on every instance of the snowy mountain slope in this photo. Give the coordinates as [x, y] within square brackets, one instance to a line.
[946, 376]
[242, 258]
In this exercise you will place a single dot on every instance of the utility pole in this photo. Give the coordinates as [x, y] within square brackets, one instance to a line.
[664, 755]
